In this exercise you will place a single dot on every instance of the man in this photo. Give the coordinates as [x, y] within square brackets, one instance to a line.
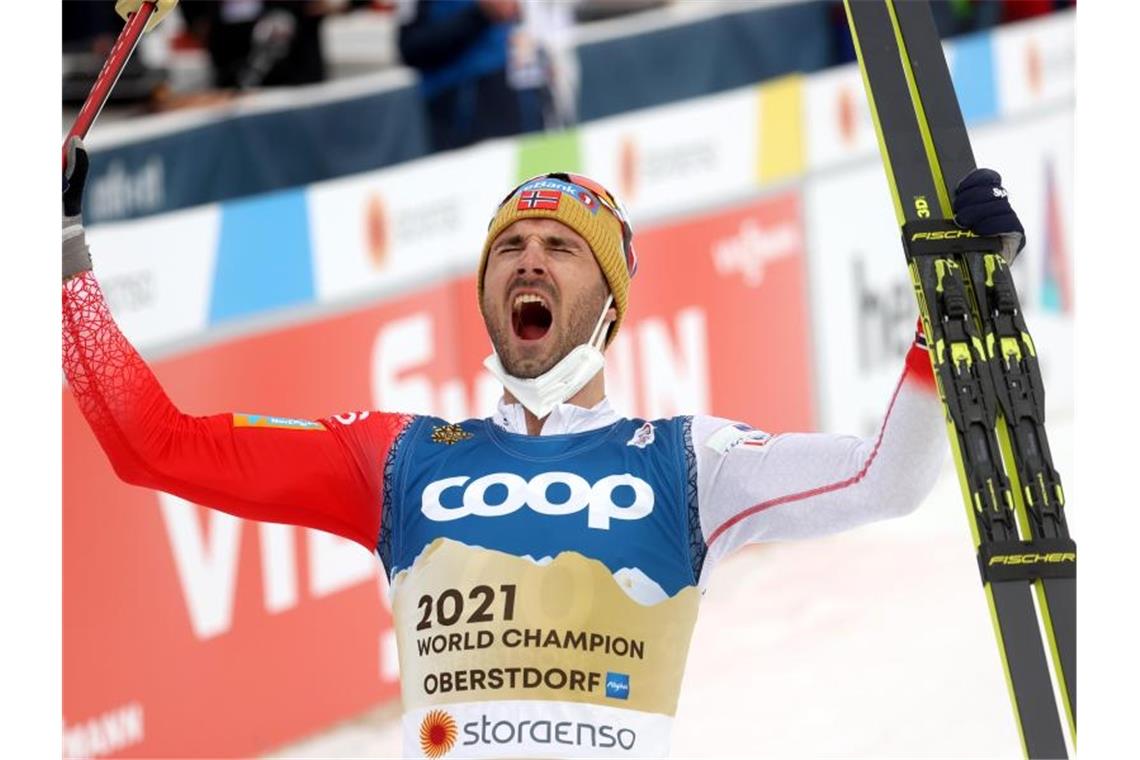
[545, 563]
[462, 49]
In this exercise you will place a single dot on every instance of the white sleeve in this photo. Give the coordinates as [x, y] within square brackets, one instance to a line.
[755, 487]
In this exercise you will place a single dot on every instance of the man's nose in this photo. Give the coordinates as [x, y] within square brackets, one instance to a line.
[533, 257]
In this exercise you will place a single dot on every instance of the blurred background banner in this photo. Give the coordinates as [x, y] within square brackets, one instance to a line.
[304, 251]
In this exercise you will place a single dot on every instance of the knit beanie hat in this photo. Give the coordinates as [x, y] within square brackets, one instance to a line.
[584, 206]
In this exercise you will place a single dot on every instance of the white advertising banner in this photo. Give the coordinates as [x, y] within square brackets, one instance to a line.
[679, 157]
[157, 273]
[863, 309]
[837, 118]
[400, 226]
[1035, 63]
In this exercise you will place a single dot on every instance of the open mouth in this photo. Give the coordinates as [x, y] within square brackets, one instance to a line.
[530, 316]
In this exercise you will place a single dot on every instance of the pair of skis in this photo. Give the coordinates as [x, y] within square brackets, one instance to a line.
[985, 364]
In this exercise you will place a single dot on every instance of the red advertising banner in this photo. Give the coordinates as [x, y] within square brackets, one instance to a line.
[188, 632]
[735, 280]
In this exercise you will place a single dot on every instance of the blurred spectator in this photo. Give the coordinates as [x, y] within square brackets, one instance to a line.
[542, 58]
[260, 43]
[89, 25]
[490, 68]
[89, 31]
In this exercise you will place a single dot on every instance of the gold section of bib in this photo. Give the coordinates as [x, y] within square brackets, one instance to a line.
[475, 625]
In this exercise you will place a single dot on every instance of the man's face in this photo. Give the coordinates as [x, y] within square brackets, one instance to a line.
[543, 293]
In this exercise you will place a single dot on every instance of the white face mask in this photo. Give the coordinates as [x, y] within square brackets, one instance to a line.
[541, 394]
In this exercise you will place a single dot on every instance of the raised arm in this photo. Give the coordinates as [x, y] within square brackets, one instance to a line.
[756, 487]
[324, 474]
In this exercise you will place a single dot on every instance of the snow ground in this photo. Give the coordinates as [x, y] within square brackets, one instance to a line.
[872, 643]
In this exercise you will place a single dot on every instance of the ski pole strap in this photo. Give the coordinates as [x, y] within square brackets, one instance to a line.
[1028, 560]
[942, 237]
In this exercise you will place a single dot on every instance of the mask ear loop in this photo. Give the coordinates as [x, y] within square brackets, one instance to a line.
[598, 337]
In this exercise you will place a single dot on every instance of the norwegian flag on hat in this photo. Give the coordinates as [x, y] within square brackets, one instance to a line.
[539, 199]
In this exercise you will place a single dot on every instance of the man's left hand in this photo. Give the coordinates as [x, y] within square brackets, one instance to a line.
[981, 204]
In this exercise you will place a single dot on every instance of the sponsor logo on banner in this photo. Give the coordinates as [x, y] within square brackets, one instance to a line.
[118, 193]
[627, 169]
[599, 499]
[437, 733]
[642, 437]
[434, 218]
[653, 166]
[865, 309]
[405, 224]
[885, 314]
[370, 229]
[1046, 62]
[617, 685]
[132, 291]
[156, 273]
[845, 114]
[707, 343]
[1056, 293]
[106, 734]
[376, 230]
[837, 120]
[1036, 62]
[659, 160]
[1033, 73]
[754, 246]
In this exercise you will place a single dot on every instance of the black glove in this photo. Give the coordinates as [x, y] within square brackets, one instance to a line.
[981, 205]
[76, 256]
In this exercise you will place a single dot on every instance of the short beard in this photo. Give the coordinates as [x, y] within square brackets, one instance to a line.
[583, 314]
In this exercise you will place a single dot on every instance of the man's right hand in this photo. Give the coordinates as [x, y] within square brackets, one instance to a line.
[76, 256]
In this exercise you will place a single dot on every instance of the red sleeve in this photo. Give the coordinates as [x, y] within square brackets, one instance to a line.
[918, 361]
[324, 474]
